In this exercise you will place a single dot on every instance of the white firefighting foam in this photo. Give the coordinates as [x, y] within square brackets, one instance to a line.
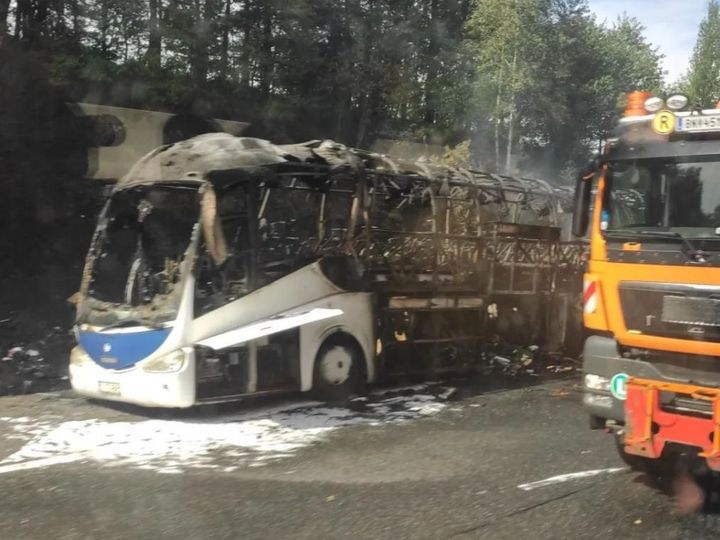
[223, 443]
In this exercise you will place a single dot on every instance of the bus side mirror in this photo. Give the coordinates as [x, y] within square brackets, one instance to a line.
[583, 190]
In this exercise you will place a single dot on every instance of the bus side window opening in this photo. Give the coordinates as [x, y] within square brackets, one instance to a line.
[218, 284]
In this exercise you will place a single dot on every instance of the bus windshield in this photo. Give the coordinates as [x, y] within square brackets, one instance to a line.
[681, 197]
[143, 238]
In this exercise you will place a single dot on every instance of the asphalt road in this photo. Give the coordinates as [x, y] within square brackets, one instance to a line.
[401, 465]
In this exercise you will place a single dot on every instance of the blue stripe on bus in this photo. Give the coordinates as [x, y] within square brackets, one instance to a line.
[121, 351]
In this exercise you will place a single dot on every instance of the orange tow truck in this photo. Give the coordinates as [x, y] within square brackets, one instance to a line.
[650, 205]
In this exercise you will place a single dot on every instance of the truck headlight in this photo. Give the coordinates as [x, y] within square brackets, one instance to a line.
[167, 364]
[597, 382]
[78, 356]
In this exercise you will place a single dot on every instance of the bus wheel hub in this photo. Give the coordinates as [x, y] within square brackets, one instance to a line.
[335, 366]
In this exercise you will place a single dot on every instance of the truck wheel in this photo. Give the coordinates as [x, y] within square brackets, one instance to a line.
[658, 468]
[338, 370]
[597, 422]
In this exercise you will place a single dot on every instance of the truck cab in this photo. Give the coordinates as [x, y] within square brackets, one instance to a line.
[650, 207]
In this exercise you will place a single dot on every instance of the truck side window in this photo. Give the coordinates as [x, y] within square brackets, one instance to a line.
[630, 192]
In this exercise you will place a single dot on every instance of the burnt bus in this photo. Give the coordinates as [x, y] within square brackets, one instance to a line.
[224, 266]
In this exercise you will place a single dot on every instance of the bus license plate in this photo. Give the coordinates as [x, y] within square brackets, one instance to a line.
[112, 388]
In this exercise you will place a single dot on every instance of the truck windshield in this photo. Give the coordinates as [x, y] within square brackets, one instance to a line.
[143, 239]
[682, 197]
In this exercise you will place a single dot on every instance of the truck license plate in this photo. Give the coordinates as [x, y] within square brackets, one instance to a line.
[699, 123]
[111, 388]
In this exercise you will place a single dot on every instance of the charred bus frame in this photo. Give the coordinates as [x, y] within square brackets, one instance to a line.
[409, 267]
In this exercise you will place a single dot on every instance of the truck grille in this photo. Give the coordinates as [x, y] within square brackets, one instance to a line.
[692, 311]
[677, 311]
[677, 403]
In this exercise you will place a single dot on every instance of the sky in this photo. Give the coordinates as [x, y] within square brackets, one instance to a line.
[671, 25]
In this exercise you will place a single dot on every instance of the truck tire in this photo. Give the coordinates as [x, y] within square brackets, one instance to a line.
[596, 422]
[338, 372]
[658, 468]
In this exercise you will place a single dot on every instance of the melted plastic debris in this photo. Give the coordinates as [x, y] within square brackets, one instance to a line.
[515, 361]
[222, 443]
[41, 367]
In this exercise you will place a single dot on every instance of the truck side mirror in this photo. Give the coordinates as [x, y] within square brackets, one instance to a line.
[583, 190]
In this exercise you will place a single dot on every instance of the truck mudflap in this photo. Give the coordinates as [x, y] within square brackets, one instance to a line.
[649, 426]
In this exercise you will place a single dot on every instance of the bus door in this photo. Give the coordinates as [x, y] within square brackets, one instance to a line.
[227, 372]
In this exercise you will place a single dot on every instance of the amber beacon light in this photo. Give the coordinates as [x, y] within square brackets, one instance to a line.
[636, 103]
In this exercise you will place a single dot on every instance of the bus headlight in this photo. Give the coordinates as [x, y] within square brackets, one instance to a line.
[597, 382]
[78, 356]
[167, 364]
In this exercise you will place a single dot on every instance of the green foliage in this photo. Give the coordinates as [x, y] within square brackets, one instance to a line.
[557, 98]
[458, 156]
[533, 84]
[703, 81]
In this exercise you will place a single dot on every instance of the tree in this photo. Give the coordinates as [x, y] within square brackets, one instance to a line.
[154, 47]
[500, 34]
[548, 77]
[629, 63]
[4, 12]
[704, 76]
[531, 81]
[559, 103]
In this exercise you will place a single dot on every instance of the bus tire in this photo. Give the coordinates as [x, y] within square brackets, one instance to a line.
[338, 372]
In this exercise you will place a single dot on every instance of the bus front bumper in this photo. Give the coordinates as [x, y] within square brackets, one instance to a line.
[170, 390]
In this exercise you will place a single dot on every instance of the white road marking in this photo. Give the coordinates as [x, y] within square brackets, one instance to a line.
[559, 479]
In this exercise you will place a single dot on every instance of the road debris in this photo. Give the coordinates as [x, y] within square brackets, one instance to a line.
[532, 360]
[25, 370]
[559, 369]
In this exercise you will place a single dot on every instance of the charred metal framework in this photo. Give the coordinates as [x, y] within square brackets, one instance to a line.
[456, 257]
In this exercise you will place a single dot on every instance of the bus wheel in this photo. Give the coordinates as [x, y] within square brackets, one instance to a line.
[338, 370]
